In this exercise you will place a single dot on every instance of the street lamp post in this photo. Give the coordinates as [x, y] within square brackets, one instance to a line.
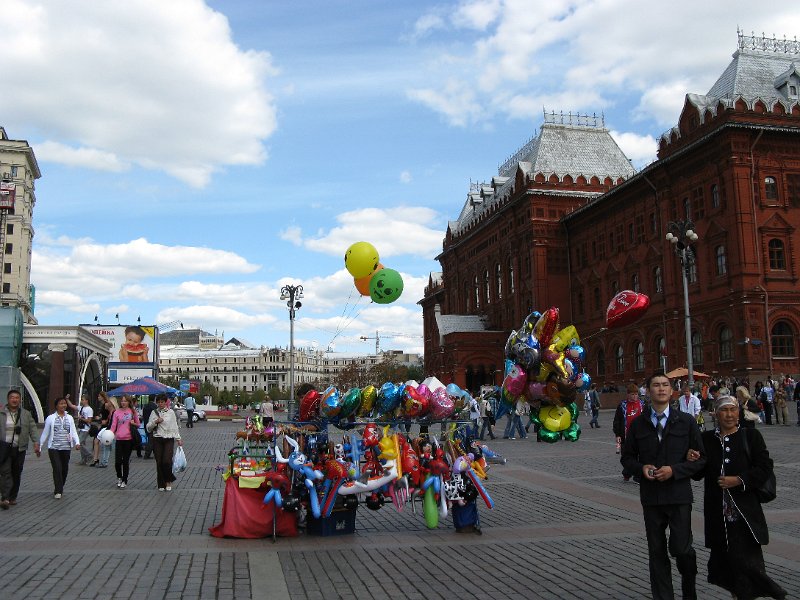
[681, 235]
[292, 295]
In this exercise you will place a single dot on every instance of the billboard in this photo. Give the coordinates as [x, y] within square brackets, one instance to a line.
[126, 375]
[7, 192]
[131, 345]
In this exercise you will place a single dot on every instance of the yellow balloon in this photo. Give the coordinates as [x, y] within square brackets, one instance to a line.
[564, 337]
[361, 259]
[368, 396]
[555, 418]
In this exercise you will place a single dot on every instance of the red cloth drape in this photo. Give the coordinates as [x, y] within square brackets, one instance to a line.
[244, 514]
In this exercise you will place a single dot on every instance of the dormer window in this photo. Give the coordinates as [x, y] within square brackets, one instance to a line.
[793, 91]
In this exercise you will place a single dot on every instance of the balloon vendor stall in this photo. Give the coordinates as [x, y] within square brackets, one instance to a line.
[544, 366]
[351, 450]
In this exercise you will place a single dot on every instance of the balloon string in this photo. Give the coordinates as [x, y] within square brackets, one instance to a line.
[342, 327]
[598, 332]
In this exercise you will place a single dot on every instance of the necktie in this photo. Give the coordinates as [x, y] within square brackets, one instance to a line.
[659, 426]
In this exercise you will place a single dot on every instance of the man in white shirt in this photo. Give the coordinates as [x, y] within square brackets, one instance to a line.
[189, 404]
[267, 411]
[689, 403]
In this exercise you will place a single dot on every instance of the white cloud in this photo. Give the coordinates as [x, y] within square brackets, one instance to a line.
[161, 85]
[405, 177]
[393, 231]
[641, 149]
[292, 234]
[580, 55]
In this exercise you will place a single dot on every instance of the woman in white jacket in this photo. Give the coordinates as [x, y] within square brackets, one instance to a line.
[162, 426]
[59, 436]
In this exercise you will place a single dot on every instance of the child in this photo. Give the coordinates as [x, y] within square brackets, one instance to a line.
[133, 350]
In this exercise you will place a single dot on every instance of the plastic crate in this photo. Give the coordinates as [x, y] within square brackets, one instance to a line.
[341, 522]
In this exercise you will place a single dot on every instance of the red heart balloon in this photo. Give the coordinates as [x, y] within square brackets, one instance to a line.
[625, 308]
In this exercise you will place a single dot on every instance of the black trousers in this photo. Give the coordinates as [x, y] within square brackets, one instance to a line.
[17, 462]
[122, 458]
[679, 519]
[59, 460]
[190, 417]
[164, 448]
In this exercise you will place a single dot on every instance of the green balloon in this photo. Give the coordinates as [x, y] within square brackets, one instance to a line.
[385, 286]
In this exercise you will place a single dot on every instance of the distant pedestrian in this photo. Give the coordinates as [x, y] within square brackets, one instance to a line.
[781, 409]
[17, 428]
[630, 408]
[59, 436]
[146, 412]
[267, 411]
[487, 417]
[85, 416]
[162, 427]
[767, 398]
[594, 406]
[121, 423]
[102, 452]
[189, 404]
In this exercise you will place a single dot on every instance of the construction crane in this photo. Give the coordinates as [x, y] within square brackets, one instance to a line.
[377, 339]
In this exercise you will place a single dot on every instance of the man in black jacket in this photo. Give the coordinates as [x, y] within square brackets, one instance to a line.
[655, 451]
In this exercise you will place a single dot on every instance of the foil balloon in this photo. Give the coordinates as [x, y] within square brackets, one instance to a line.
[368, 397]
[441, 405]
[309, 405]
[515, 381]
[625, 308]
[350, 402]
[582, 382]
[577, 354]
[453, 390]
[371, 435]
[530, 322]
[416, 405]
[512, 340]
[527, 357]
[546, 326]
[568, 336]
[556, 360]
[534, 391]
[386, 286]
[331, 403]
[424, 391]
[389, 398]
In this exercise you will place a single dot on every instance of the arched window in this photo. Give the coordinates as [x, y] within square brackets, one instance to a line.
[661, 352]
[658, 280]
[725, 344]
[714, 196]
[614, 287]
[596, 298]
[619, 359]
[783, 340]
[635, 282]
[770, 188]
[722, 261]
[697, 348]
[487, 286]
[601, 362]
[498, 277]
[687, 208]
[466, 297]
[777, 256]
[638, 354]
[691, 270]
[510, 277]
[477, 291]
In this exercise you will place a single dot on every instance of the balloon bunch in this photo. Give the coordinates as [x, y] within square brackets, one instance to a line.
[544, 366]
[370, 277]
[384, 467]
[389, 402]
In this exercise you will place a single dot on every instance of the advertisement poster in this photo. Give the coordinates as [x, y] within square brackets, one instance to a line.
[131, 345]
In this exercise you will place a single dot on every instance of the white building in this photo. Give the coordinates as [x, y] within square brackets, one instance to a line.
[238, 366]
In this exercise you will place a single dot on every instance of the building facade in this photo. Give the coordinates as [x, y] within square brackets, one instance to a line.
[237, 366]
[18, 173]
[731, 167]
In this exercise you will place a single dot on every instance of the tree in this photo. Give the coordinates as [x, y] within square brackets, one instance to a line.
[351, 376]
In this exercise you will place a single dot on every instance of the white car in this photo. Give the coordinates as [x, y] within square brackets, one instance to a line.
[180, 412]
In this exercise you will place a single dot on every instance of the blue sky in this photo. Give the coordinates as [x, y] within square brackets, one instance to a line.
[196, 156]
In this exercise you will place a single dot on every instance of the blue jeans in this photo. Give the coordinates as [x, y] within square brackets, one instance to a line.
[514, 424]
[105, 454]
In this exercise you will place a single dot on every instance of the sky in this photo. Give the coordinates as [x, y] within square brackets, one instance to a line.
[198, 156]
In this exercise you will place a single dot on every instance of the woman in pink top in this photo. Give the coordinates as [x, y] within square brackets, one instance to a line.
[121, 423]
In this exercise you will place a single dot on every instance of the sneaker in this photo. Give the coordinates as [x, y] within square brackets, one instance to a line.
[102, 466]
[512, 438]
[119, 482]
[5, 504]
[123, 485]
[169, 488]
[162, 489]
[95, 463]
[57, 496]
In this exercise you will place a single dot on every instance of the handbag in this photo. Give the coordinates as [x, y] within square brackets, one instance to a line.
[136, 437]
[751, 416]
[94, 429]
[7, 447]
[767, 491]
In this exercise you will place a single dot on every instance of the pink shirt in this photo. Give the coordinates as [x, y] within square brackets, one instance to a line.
[120, 423]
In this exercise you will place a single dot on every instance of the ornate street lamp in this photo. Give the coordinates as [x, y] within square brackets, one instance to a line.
[681, 235]
[292, 295]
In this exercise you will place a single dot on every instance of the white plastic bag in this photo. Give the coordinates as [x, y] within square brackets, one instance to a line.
[179, 461]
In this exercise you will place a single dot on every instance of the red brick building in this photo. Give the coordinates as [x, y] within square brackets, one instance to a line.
[568, 223]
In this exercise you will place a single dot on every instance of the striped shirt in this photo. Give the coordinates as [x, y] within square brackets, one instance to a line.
[61, 434]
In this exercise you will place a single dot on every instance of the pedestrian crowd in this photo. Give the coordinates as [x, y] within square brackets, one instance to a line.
[114, 427]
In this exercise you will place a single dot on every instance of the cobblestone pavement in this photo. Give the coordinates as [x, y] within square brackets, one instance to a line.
[565, 525]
